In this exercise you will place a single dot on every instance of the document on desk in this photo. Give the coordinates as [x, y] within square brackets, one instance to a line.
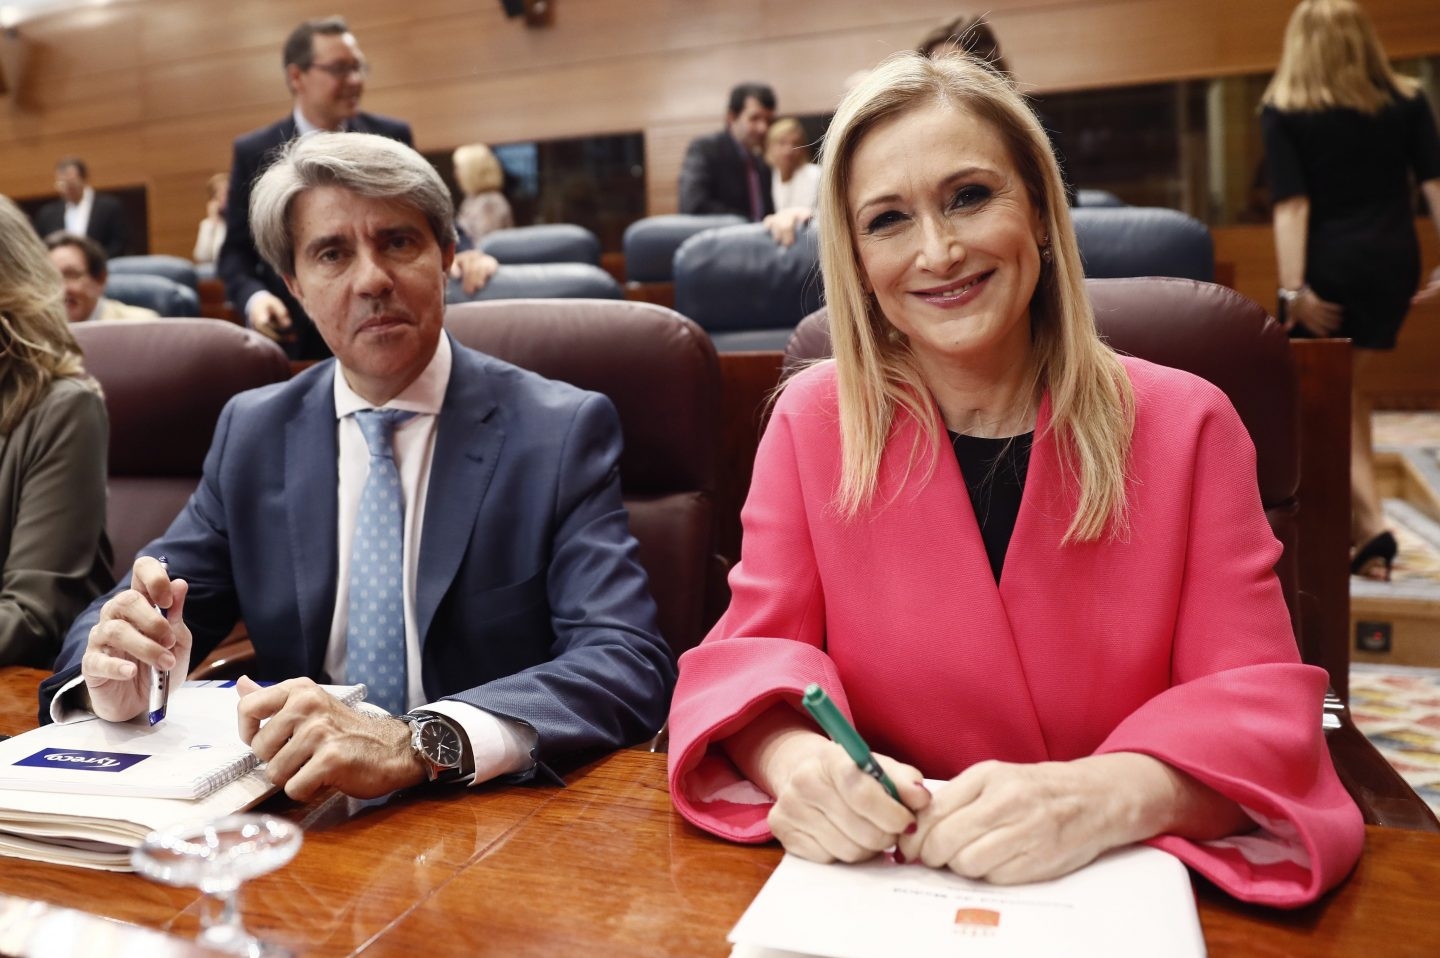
[98, 828]
[1134, 902]
[195, 751]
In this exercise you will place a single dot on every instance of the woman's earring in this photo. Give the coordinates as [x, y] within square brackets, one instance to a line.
[1047, 254]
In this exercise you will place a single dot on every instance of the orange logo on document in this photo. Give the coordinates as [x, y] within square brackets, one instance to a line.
[976, 922]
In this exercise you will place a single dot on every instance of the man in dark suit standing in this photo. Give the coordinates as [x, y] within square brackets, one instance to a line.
[82, 211]
[325, 72]
[723, 172]
[445, 527]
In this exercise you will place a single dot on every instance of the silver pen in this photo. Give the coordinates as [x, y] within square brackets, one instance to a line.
[159, 678]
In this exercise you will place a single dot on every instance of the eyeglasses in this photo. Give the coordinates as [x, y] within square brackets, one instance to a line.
[342, 69]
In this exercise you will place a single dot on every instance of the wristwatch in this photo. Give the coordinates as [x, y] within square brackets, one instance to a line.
[441, 746]
[1287, 299]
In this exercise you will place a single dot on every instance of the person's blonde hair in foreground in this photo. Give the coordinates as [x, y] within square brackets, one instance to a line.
[1344, 136]
[53, 434]
[1021, 565]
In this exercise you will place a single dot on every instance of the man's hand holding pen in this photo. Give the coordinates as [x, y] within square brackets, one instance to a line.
[132, 638]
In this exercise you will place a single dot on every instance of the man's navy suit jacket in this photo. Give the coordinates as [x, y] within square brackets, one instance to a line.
[530, 600]
[106, 226]
[240, 265]
[713, 178]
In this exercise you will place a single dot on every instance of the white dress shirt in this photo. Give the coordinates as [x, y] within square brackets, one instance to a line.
[77, 215]
[500, 746]
[803, 188]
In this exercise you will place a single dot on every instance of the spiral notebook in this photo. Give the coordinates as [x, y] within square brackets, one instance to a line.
[192, 753]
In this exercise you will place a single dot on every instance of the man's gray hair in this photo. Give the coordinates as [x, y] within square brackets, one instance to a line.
[363, 163]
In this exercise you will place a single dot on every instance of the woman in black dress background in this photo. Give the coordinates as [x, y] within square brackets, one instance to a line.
[1343, 136]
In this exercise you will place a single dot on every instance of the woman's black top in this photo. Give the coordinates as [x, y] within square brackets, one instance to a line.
[994, 471]
[1356, 169]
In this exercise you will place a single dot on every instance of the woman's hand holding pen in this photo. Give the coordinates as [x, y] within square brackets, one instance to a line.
[826, 808]
[131, 633]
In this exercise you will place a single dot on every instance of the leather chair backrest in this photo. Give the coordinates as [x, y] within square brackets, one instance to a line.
[546, 243]
[1208, 330]
[650, 243]
[174, 268]
[662, 374]
[1097, 198]
[542, 281]
[738, 279]
[1120, 241]
[165, 296]
[165, 382]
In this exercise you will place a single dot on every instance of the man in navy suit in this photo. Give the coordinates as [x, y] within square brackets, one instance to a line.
[528, 629]
[325, 72]
[82, 211]
[723, 172]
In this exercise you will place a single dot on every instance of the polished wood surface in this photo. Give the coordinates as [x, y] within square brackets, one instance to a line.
[606, 867]
[152, 92]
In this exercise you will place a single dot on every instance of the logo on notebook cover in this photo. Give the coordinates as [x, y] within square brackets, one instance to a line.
[81, 760]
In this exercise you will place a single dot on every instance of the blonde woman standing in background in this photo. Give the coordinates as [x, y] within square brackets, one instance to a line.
[1343, 136]
[484, 209]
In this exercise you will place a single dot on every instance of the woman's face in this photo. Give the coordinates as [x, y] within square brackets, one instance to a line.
[784, 154]
[947, 238]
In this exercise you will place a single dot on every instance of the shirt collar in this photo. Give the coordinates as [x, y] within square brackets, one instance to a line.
[85, 199]
[304, 127]
[425, 395]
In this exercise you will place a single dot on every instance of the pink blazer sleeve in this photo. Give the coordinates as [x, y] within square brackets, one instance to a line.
[766, 647]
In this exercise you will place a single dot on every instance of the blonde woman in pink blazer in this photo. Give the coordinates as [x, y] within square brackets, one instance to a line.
[1019, 563]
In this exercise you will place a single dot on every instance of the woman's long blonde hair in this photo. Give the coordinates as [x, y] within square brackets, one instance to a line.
[1091, 403]
[36, 346]
[1332, 58]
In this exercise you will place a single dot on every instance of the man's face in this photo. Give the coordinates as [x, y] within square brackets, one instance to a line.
[69, 183]
[372, 277]
[82, 291]
[749, 125]
[328, 93]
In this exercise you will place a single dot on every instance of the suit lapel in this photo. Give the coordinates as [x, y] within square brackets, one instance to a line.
[311, 480]
[467, 449]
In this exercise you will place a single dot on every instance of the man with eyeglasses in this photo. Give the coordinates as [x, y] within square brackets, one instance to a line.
[325, 72]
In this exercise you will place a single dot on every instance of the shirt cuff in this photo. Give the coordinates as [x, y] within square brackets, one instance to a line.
[499, 746]
[69, 704]
[245, 313]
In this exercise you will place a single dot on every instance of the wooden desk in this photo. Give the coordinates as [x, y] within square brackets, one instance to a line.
[605, 867]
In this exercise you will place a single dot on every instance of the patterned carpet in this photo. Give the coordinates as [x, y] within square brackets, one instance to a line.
[1398, 709]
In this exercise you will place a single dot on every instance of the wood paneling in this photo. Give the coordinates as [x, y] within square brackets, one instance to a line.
[152, 92]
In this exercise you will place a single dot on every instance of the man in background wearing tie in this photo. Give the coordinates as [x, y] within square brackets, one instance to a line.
[325, 72]
[723, 172]
[414, 515]
[82, 211]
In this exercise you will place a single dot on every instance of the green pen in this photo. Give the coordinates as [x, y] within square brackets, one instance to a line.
[842, 733]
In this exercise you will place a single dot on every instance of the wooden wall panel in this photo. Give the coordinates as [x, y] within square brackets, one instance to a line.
[152, 92]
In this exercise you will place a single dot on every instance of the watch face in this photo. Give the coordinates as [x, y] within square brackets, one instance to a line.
[440, 743]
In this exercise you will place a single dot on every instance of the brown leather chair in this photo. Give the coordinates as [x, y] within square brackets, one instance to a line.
[165, 382]
[1230, 340]
[661, 372]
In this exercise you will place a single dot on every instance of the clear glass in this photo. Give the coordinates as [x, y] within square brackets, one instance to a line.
[217, 857]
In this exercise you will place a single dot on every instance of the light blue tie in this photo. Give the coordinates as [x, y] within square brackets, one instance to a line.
[375, 636]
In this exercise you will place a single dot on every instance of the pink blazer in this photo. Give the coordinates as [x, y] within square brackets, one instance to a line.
[1174, 641]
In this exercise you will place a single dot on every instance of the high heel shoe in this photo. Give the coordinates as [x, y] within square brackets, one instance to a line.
[1382, 547]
